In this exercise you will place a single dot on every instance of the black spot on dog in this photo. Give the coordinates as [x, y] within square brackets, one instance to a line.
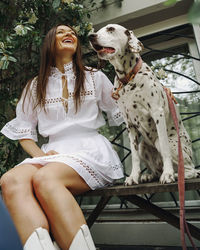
[130, 64]
[127, 33]
[145, 74]
[148, 105]
[157, 121]
[135, 106]
[110, 29]
[136, 140]
[152, 94]
[142, 85]
[148, 69]
[133, 87]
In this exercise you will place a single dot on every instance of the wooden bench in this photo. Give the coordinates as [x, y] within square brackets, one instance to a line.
[131, 194]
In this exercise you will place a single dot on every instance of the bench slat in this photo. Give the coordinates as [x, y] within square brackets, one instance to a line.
[144, 188]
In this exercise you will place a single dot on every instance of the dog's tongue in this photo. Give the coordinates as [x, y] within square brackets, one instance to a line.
[108, 50]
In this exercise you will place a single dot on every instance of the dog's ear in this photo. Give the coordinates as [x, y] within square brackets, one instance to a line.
[134, 44]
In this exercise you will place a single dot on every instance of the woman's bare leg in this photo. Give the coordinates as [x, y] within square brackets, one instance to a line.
[22, 205]
[54, 185]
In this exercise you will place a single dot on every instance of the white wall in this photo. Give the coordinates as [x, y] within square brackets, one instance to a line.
[129, 9]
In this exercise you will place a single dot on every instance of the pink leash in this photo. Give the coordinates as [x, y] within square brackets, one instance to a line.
[181, 179]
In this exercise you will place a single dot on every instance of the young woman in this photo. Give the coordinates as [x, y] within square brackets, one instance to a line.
[65, 101]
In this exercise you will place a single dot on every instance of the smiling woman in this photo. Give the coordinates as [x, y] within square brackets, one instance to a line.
[65, 101]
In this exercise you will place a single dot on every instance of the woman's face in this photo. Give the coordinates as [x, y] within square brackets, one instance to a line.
[66, 40]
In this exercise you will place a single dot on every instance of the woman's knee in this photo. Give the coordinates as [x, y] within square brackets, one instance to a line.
[10, 184]
[16, 181]
[43, 182]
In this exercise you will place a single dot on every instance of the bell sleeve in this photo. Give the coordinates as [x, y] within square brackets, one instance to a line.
[24, 125]
[105, 101]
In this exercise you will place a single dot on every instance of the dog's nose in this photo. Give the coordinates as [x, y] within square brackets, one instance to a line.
[92, 36]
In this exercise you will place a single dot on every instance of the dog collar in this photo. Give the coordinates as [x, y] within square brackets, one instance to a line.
[132, 73]
[127, 78]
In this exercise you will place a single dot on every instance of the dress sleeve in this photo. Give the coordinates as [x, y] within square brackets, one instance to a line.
[24, 125]
[105, 101]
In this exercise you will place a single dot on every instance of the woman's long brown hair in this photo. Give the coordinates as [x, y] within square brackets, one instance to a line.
[48, 61]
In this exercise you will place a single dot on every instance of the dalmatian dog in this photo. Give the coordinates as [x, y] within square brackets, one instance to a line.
[144, 105]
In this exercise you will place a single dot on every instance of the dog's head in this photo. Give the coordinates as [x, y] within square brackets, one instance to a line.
[113, 40]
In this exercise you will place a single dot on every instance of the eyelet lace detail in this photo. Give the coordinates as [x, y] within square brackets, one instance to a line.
[68, 68]
[20, 130]
[70, 95]
[80, 162]
[89, 169]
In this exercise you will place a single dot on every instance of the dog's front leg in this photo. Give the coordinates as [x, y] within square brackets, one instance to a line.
[162, 145]
[135, 172]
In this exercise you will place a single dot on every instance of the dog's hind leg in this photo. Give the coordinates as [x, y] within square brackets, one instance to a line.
[189, 168]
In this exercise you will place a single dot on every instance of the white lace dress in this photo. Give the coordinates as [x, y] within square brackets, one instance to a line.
[73, 135]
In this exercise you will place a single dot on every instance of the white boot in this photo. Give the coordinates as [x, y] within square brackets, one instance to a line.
[83, 240]
[39, 240]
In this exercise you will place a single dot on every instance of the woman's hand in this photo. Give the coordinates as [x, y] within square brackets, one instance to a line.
[51, 152]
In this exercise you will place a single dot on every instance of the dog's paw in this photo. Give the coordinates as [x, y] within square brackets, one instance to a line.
[131, 180]
[167, 178]
[147, 177]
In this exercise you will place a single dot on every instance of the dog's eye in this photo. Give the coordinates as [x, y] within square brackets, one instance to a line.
[110, 29]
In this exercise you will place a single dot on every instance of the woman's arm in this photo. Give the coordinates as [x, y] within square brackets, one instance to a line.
[31, 148]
